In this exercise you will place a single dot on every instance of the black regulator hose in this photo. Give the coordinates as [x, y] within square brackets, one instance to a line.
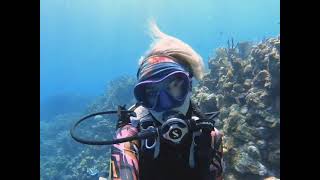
[207, 123]
[152, 132]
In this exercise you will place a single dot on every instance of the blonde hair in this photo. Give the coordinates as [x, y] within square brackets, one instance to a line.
[171, 46]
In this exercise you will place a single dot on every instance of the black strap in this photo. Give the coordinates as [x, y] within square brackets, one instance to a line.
[204, 152]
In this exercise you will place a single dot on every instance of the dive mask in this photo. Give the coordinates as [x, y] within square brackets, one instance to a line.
[164, 93]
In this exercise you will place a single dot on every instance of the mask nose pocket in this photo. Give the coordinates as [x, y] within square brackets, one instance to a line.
[164, 100]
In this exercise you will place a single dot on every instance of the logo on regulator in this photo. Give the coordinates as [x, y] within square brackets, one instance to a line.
[175, 133]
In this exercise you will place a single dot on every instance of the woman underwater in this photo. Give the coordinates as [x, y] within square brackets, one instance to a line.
[163, 94]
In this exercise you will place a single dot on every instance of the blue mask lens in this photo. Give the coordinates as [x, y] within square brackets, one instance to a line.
[166, 93]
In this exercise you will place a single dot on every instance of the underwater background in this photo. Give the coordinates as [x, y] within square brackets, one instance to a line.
[89, 51]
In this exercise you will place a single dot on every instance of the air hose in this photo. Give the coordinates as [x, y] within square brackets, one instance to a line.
[173, 129]
[151, 132]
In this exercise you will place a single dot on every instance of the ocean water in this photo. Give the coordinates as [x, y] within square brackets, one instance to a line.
[85, 44]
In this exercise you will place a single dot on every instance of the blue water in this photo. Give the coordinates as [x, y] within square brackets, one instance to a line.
[86, 43]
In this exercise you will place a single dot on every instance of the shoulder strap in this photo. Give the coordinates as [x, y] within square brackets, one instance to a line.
[203, 151]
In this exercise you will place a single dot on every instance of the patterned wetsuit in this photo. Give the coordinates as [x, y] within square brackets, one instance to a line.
[171, 164]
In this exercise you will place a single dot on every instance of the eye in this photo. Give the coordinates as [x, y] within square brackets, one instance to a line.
[175, 84]
[175, 88]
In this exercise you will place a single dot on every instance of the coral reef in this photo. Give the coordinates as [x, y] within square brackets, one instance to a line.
[63, 158]
[244, 49]
[244, 84]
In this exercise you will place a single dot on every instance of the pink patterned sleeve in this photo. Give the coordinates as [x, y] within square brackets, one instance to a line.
[124, 156]
[217, 164]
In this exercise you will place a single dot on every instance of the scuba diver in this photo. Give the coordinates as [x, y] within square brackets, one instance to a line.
[189, 146]
[164, 135]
